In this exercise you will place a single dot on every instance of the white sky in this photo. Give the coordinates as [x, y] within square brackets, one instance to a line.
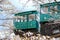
[29, 6]
[20, 3]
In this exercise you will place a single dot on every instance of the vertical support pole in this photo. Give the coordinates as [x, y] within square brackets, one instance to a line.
[27, 18]
[54, 14]
[35, 17]
[39, 25]
[23, 18]
[20, 19]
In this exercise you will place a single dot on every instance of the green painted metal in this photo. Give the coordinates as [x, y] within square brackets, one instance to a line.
[50, 4]
[26, 24]
[46, 16]
[26, 13]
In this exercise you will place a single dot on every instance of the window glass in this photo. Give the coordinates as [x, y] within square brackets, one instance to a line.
[25, 18]
[21, 18]
[44, 10]
[16, 20]
[31, 17]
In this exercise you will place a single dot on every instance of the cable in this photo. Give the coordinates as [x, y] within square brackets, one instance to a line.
[55, 0]
[40, 2]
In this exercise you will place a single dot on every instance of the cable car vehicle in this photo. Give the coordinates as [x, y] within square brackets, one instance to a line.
[26, 20]
[48, 18]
